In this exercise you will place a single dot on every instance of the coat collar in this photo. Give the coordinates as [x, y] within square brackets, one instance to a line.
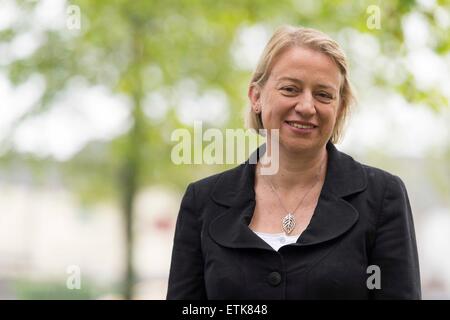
[332, 217]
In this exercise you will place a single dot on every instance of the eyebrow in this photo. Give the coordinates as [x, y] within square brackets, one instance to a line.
[320, 85]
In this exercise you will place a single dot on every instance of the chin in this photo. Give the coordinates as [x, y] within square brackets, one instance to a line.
[299, 146]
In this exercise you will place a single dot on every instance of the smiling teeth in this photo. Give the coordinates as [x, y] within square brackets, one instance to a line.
[300, 126]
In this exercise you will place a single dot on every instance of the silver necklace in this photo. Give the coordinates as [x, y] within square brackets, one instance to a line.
[288, 221]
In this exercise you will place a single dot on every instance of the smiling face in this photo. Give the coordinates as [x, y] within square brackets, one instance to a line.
[300, 98]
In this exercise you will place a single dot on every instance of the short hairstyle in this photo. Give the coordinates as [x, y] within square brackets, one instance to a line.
[288, 36]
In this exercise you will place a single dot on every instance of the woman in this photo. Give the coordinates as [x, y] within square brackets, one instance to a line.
[323, 226]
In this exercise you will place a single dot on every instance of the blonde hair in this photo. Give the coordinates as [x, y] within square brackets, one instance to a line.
[289, 36]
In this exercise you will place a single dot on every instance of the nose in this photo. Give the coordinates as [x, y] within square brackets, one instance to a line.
[305, 104]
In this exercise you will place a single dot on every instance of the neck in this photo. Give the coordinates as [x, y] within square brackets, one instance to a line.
[298, 170]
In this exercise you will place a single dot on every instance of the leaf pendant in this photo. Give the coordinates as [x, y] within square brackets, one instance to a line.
[288, 223]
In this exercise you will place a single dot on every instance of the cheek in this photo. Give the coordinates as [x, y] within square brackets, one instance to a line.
[336, 113]
[328, 116]
[272, 111]
[280, 107]
[271, 119]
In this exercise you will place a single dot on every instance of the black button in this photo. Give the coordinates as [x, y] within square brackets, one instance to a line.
[274, 278]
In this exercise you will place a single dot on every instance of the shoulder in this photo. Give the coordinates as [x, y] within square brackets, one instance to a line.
[347, 176]
[372, 174]
[373, 180]
[203, 187]
[384, 197]
[377, 177]
[382, 186]
[211, 180]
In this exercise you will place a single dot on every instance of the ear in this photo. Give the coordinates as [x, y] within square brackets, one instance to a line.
[254, 94]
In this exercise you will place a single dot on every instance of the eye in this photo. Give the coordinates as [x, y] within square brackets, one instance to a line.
[324, 96]
[289, 90]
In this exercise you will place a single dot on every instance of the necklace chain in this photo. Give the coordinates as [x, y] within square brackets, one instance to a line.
[288, 222]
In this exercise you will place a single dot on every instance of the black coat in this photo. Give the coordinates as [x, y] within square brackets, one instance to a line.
[363, 217]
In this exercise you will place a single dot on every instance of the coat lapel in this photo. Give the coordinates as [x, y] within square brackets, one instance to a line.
[332, 217]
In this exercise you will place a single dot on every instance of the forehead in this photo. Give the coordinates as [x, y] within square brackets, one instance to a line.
[306, 65]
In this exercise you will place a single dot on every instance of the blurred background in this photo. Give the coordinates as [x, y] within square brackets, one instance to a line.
[91, 91]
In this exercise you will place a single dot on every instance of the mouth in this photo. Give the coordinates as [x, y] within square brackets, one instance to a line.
[301, 125]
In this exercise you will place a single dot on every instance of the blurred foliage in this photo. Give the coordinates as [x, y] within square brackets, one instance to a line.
[26, 289]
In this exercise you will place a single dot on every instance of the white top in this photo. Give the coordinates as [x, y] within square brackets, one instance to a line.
[277, 240]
